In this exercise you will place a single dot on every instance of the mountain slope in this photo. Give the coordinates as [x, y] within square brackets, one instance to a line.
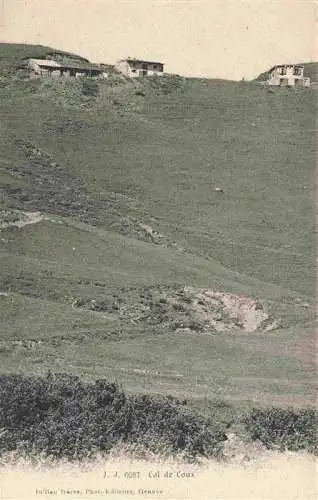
[12, 54]
[159, 159]
[145, 188]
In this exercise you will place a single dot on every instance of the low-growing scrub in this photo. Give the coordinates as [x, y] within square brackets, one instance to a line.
[285, 429]
[89, 87]
[61, 416]
[69, 92]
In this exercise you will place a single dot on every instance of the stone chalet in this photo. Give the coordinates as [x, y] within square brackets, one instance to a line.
[291, 75]
[136, 67]
[46, 67]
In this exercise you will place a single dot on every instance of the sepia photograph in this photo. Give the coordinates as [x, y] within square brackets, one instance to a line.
[158, 249]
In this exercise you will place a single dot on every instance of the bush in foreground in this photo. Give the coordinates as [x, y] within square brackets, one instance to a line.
[285, 429]
[63, 417]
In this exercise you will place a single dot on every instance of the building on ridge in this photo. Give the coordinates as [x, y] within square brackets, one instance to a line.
[291, 75]
[48, 67]
[133, 68]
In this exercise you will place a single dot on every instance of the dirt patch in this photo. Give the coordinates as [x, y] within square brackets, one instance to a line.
[210, 311]
[184, 309]
[245, 312]
[19, 218]
[237, 451]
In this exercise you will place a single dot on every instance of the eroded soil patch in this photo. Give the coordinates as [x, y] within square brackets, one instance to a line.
[185, 309]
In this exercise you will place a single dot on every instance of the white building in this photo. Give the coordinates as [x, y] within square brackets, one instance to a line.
[48, 67]
[136, 67]
[291, 75]
[43, 67]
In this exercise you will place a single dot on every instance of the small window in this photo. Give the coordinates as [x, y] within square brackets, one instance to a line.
[283, 71]
[154, 66]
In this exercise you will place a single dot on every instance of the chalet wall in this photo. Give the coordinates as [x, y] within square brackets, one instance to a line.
[135, 69]
[289, 75]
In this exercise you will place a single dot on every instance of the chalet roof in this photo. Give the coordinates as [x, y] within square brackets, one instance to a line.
[47, 63]
[284, 65]
[132, 59]
[81, 67]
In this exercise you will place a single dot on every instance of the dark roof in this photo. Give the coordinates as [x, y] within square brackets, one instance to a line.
[282, 65]
[130, 59]
[80, 67]
[107, 66]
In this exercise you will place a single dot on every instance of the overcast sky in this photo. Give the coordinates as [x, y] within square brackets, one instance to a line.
[212, 38]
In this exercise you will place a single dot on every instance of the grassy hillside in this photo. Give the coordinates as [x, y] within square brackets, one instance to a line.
[12, 54]
[126, 176]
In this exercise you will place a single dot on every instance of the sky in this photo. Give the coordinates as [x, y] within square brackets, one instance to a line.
[230, 39]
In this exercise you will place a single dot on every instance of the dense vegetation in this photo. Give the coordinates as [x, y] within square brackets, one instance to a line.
[284, 429]
[60, 416]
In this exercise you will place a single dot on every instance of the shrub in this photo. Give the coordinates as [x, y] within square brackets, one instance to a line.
[90, 88]
[178, 307]
[286, 429]
[61, 416]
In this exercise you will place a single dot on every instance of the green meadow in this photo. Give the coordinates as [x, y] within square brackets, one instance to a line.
[146, 188]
